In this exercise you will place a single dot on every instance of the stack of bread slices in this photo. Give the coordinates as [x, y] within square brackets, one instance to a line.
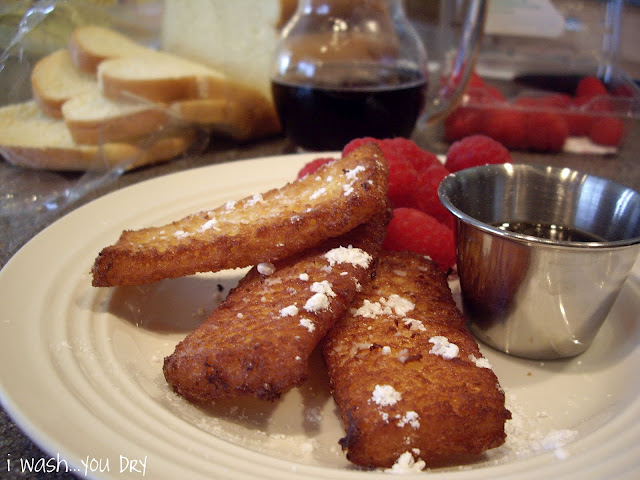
[107, 101]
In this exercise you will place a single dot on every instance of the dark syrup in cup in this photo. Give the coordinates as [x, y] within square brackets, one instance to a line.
[342, 102]
[549, 231]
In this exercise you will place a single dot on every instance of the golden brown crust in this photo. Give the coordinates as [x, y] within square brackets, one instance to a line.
[83, 59]
[266, 227]
[459, 406]
[248, 346]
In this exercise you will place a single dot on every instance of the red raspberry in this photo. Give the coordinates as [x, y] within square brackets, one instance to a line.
[604, 104]
[463, 122]
[607, 131]
[486, 95]
[405, 159]
[468, 119]
[426, 194]
[475, 80]
[549, 120]
[402, 182]
[476, 150]
[559, 101]
[546, 131]
[494, 94]
[313, 165]
[397, 149]
[422, 159]
[357, 143]
[451, 83]
[589, 87]
[578, 121]
[415, 231]
[544, 102]
[527, 102]
[507, 126]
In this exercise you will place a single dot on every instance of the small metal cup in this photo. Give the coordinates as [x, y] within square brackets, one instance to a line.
[533, 297]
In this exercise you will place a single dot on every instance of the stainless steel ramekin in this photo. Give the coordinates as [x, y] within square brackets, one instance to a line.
[533, 297]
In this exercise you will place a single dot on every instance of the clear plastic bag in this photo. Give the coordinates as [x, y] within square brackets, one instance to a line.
[28, 32]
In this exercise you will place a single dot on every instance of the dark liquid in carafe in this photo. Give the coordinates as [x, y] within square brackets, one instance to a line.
[550, 231]
[328, 111]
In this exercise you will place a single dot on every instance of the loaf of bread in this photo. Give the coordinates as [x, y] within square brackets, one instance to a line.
[192, 90]
[107, 96]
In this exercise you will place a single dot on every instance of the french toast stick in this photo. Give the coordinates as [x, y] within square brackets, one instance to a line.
[258, 341]
[261, 228]
[397, 379]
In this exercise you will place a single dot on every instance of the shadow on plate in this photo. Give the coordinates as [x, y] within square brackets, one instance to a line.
[299, 410]
[174, 305]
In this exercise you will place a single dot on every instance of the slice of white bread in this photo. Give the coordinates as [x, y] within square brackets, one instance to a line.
[93, 119]
[89, 45]
[127, 69]
[32, 139]
[54, 80]
[238, 38]
[160, 77]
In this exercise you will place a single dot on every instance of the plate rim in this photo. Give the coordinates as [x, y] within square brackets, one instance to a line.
[47, 440]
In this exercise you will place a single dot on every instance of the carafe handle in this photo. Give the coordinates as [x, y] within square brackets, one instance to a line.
[452, 86]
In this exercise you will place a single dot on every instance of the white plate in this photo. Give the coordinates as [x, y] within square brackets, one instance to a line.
[81, 368]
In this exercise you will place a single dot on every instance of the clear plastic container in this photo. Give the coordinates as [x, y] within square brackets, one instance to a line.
[533, 55]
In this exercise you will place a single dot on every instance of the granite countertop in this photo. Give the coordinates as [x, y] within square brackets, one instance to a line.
[14, 444]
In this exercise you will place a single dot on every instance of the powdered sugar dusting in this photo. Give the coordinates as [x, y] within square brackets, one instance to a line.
[385, 395]
[320, 300]
[308, 324]
[352, 177]
[354, 256]
[526, 435]
[209, 225]
[257, 198]
[289, 311]
[443, 348]
[414, 325]
[481, 362]
[407, 464]
[266, 268]
[318, 193]
[395, 304]
[317, 302]
[322, 287]
[410, 418]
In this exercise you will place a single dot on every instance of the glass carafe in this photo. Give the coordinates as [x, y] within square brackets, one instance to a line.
[353, 68]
